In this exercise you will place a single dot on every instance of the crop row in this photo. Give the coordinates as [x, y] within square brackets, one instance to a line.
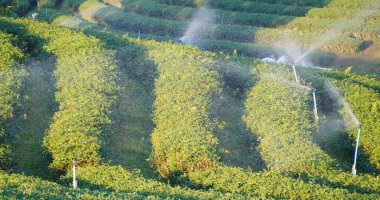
[10, 88]
[118, 179]
[107, 15]
[243, 6]
[269, 184]
[362, 94]
[312, 3]
[179, 142]
[183, 139]
[351, 28]
[225, 46]
[22, 187]
[358, 4]
[86, 85]
[339, 13]
[172, 147]
[338, 45]
[11, 7]
[155, 9]
[279, 111]
[85, 74]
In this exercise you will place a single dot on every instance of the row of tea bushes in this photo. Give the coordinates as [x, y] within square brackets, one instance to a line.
[14, 186]
[86, 86]
[95, 11]
[338, 45]
[183, 139]
[362, 94]
[155, 9]
[244, 6]
[10, 87]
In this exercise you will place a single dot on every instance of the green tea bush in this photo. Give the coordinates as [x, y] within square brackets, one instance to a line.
[100, 13]
[312, 3]
[9, 53]
[269, 184]
[244, 6]
[16, 186]
[86, 86]
[10, 88]
[339, 13]
[183, 139]
[225, 46]
[307, 24]
[156, 9]
[362, 94]
[338, 45]
[48, 3]
[279, 113]
[347, 4]
[118, 179]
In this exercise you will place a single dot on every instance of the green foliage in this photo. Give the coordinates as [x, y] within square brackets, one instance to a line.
[269, 184]
[48, 3]
[22, 187]
[313, 3]
[339, 45]
[9, 53]
[245, 6]
[156, 9]
[183, 139]
[10, 87]
[362, 94]
[337, 13]
[307, 24]
[100, 13]
[118, 179]
[278, 111]
[86, 86]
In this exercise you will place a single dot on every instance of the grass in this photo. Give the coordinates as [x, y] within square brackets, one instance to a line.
[237, 146]
[129, 144]
[27, 129]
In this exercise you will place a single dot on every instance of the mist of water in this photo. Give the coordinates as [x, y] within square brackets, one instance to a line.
[352, 121]
[355, 21]
[199, 26]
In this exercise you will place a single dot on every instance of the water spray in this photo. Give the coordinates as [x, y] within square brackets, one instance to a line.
[200, 26]
[356, 152]
[315, 107]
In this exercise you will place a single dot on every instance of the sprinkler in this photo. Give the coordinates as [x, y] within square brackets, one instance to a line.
[75, 183]
[356, 152]
[315, 107]
[295, 73]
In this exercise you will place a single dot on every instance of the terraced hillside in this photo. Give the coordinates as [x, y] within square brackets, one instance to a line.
[118, 87]
[253, 28]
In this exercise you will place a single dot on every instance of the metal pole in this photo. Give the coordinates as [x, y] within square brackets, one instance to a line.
[356, 153]
[295, 73]
[75, 184]
[315, 107]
